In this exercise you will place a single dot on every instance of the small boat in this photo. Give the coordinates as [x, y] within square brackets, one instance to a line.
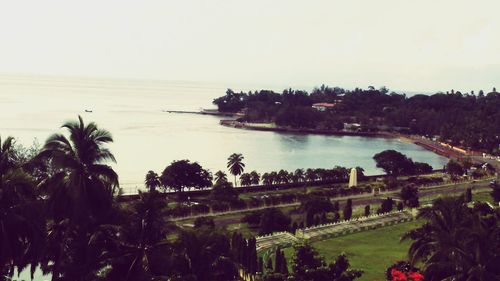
[86, 110]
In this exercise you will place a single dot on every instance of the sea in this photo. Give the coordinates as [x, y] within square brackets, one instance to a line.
[147, 137]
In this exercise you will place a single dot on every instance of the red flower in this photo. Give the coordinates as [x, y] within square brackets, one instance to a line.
[398, 275]
[416, 276]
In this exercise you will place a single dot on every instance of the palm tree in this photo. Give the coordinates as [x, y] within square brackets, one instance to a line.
[152, 181]
[220, 177]
[283, 176]
[274, 177]
[79, 200]
[22, 225]
[246, 179]
[299, 175]
[255, 177]
[6, 155]
[84, 186]
[457, 243]
[235, 165]
[267, 179]
[143, 252]
[208, 255]
[311, 175]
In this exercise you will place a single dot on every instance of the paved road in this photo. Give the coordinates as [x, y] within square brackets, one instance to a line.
[361, 199]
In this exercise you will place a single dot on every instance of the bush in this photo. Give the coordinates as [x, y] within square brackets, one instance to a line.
[200, 209]
[255, 202]
[220, 207]
[252, 219]
[204, 221]
[238, 204]
[273, 220]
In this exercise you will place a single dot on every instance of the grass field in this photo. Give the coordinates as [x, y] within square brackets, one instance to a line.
[483, 197]
[371, 251]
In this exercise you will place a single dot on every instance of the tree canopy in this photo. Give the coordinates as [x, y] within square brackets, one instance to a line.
[183, 174]
[462, 119]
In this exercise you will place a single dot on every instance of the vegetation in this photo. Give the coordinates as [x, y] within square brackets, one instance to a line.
[308, 265]
[395, 164]
[372, 251]
[60, 213]
[466, 119]
[457, 242]
[235, 165]
[182, 174]
[409, 195]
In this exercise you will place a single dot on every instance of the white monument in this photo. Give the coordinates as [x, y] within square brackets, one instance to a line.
[353, 178]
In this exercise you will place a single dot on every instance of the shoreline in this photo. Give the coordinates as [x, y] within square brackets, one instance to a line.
[442, 149]
[253, 126]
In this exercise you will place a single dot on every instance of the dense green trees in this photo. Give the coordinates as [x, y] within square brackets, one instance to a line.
[457, 242]
[454, 168]
[66, 221]
[462, 119]
[223, 192]
[272, 220]
[395, 163]
[22, 228]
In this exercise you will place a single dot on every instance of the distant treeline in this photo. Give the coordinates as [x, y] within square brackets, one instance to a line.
[468, 119]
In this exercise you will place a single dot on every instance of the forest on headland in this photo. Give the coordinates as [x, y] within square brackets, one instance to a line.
[470, 120]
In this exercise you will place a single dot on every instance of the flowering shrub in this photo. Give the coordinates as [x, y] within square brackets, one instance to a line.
[403, 271]
[406, 276]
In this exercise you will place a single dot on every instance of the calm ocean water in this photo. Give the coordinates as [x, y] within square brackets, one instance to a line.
[148, 139]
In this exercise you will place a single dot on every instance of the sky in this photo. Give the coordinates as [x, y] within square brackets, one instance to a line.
[425, 45]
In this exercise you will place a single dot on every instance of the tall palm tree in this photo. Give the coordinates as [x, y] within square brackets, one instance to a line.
[220, 177]
[79, 202]
[235, 165]
[84, 185]
[152, 181]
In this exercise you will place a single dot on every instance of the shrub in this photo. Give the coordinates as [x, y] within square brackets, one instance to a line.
[204, 221]
[252, 219]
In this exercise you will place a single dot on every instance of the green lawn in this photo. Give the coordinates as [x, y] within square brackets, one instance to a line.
[483, 197]
[372, 251]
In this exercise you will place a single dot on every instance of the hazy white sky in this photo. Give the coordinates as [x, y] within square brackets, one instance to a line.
[425, 45]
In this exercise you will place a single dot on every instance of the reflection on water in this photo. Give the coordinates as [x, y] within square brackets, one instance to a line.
[148, 139]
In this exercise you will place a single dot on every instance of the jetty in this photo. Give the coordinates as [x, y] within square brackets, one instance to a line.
[202, 112]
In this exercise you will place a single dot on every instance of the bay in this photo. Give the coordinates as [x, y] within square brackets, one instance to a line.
[147, 138]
